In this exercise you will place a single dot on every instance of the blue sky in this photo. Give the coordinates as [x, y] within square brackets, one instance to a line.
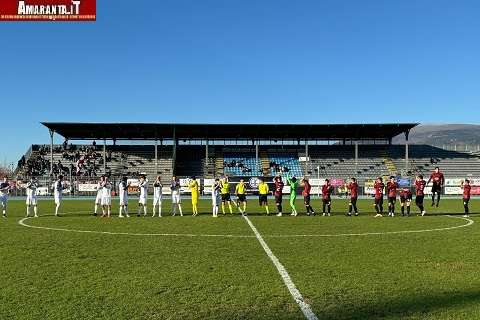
[242, 61]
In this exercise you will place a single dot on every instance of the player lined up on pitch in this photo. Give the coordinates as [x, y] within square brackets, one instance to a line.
[221, 195]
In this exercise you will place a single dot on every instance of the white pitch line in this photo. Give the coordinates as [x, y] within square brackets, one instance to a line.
[22, 223]
[469, 223]
[190, 235]
[305, 307]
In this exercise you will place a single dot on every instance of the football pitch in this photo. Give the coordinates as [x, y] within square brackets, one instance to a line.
[82, 267]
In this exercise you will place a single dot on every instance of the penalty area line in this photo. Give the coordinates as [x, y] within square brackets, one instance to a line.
[287, 280]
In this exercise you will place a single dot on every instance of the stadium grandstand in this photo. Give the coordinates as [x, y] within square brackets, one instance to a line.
[336, 151]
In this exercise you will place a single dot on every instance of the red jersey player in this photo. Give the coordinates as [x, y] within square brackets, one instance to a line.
[352, 188]
[467, 188]
[306, 195]
[327, 190]
[420, 193]
[405, 200]
[438, 180]
[392, 186]
[278, 193]
[378, 187]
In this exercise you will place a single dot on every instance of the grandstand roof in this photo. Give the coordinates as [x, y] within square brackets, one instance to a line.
[152, 131]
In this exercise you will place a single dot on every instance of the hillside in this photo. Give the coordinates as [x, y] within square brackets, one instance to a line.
[443, 134]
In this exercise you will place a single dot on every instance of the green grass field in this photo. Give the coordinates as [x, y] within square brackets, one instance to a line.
[178, 270]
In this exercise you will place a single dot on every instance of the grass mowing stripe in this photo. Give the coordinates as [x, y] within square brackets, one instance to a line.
[305, 307]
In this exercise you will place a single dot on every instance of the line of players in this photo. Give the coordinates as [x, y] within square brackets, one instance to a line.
[221, 195]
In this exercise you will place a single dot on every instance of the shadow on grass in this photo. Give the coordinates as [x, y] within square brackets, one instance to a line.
[416, 305]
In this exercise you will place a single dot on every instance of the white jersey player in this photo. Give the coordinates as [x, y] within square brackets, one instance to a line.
[123, 195]
[142, 201]
[176, 201]
[106, 198]
[31, 189]
[58, 188]
[98, 198]
[216, 197]
[157, 197]
[4, 190]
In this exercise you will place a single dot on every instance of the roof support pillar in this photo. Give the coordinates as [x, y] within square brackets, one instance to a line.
[207, 162]
[52, 132]
[406, 151]
[156, 156]
[174, 155]
[257, 167]
[206, 151]
[356, 157]
[307, 158]
[104, 156]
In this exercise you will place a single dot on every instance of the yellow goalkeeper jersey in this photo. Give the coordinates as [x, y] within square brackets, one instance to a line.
[193, 185]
